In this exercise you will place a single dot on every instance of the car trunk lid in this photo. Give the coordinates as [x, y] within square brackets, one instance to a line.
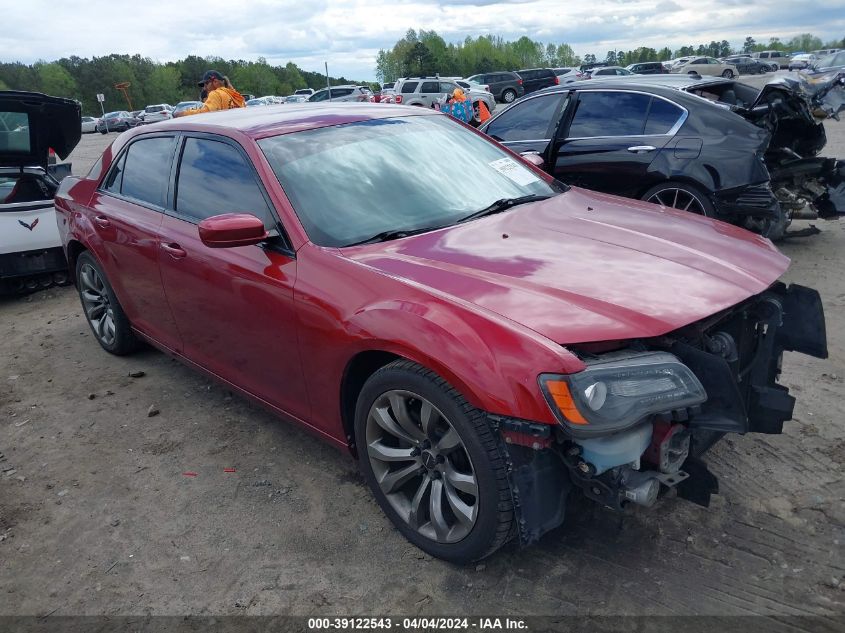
[31, 123]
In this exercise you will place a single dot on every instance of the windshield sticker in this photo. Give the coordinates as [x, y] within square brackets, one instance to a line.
[513, 170]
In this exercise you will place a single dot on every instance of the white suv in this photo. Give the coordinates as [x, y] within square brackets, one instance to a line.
[426, 91]
[160, 112]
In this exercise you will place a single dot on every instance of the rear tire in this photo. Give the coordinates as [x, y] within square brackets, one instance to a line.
[105, 316]
[434, 465]
[680, 195]
[728, 74]
[509, 95]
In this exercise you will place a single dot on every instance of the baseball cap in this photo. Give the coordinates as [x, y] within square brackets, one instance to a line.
[209, 74]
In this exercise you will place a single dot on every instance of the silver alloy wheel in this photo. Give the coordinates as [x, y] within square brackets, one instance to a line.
[509, 96]
[422, 466]
[95, 300]
[678, 199]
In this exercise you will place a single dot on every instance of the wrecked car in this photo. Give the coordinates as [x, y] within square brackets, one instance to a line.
[31, 254]
[711, 146]
[483, 356]
[790, 109]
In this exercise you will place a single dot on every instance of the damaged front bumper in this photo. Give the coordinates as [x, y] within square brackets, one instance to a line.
[735, 355]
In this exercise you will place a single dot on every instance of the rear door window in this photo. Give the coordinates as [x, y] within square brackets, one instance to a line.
[533, 119]
[341, 92]
[662, 116]
[409, 86]
[609, 114]
[146, 170]
[215, 178]
[429, 87]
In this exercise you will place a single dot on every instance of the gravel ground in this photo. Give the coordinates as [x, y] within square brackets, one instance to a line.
[97, 517]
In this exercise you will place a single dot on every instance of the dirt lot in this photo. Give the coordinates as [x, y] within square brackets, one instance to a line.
[97, 517]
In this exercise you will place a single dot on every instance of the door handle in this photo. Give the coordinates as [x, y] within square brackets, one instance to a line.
[102, 221]
[642, 149]
[174, 250]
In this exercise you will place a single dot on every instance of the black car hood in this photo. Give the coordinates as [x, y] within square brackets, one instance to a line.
[52, 122]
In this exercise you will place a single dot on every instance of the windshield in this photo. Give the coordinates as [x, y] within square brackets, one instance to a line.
[350, 182]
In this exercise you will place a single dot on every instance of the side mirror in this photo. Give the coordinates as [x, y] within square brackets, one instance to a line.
[232, 229]
[534, 158]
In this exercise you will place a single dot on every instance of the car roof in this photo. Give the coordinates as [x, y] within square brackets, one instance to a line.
[283, 119]
[674, 89]
[673, 82]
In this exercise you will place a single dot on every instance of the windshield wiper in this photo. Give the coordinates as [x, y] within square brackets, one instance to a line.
[395, 234]
[503, 204]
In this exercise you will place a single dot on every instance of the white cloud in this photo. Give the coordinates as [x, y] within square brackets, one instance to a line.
[348, 33]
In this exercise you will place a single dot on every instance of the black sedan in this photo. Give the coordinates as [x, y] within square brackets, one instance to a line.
[747, 65]
[702, 145]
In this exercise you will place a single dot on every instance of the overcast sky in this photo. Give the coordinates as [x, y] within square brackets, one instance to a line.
[349, 33]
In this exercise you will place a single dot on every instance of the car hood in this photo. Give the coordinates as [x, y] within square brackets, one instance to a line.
[584, 267]
[50, 122]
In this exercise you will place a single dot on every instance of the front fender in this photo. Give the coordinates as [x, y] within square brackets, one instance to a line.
[495, 369]
[345, 308]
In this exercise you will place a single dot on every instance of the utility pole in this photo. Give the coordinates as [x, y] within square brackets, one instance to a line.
[328, 86]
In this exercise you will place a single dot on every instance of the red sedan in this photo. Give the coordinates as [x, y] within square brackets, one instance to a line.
[483, 354]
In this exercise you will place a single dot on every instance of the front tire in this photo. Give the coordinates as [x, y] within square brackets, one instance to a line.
[728, 74]
[509, 95]
[103, 311]
[434, 465]
[680, 195]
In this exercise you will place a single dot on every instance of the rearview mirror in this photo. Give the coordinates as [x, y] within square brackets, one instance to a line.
[232, 229]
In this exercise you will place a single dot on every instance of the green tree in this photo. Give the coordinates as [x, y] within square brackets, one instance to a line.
[256, 78]
[419, 60]
[54, 80]
[610, 58]
[805, 42]
[748, 46]
[665, 54]
[566, 56]
[163, 85]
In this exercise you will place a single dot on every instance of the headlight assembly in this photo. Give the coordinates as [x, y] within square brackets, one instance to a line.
[619, 390]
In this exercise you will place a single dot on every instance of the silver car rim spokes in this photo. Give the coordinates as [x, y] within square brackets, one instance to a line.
[95, 300]
[678, 199]
[422, 466]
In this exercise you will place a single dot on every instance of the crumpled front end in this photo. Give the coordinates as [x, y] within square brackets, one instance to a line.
[807, 186]
[635, 423]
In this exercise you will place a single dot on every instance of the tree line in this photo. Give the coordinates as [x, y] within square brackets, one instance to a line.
[152, 82]
[426, 53]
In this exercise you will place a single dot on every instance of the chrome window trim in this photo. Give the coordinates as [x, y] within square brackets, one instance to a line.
[672, 131]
